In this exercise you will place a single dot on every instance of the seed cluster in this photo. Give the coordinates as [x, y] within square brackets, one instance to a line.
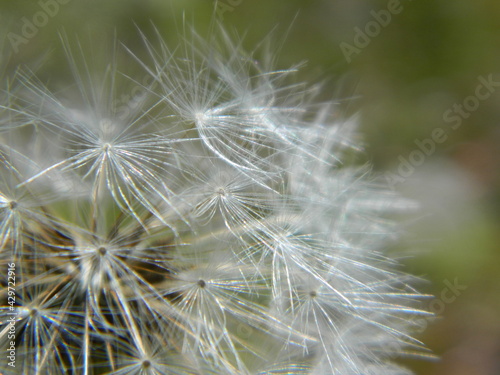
[208, 224]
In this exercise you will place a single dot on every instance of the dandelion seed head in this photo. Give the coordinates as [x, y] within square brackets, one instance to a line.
[210, 224]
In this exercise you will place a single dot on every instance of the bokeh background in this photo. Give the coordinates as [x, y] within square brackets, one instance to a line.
[416, 67]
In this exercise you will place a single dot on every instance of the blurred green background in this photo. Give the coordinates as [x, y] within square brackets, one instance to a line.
[416, 67]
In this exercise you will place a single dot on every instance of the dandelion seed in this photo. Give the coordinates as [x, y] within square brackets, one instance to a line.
[210, 225]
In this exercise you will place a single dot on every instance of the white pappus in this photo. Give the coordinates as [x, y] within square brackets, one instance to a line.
[213, 226]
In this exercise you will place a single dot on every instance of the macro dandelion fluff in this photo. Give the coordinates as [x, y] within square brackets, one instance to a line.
[208, 225]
